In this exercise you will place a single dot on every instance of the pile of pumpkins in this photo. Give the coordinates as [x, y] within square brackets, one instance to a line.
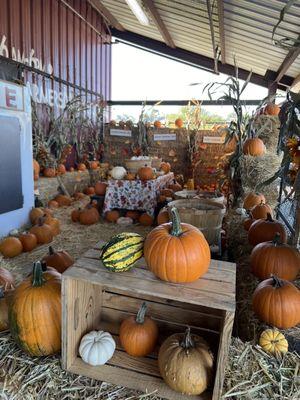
[276, 300]
[45, 227]
[145, 173]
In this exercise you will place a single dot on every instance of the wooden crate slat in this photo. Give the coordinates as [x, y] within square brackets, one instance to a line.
[144, 365]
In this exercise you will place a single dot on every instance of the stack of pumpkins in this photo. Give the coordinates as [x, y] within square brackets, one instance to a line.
[276, 300]
[45, 227]
[36, 329]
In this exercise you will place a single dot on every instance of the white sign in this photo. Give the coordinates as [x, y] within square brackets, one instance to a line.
[120, 132]
[214, 139]
[164, 136]
[11, 96]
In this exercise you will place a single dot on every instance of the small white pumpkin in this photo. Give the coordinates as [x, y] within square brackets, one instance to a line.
[118, 172]
[97, 347]
[124, 221]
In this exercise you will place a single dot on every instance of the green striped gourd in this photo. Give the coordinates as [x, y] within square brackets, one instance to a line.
[122, 251]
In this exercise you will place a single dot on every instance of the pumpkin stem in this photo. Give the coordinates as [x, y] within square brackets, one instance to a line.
[269, 218]
[277, 283]
[44, 266]
[37, 279]
[187, 341]
[51, 251]
[277, 239]
[140, 316]
[176, 227]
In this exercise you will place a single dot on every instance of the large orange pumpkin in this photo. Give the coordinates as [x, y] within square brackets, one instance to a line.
[254, 147]
[253, 199]
[35, 214]
[138, 335]
[177, 252]
[60, 260]
[89, 215]
[100, 188]
[35, 313]
[272, 109]
[43, 232]
[261, 211]
[275, 258]
[11, 247]
[277, 302]
[28, 240]
[53, 223]
[145, 173]
[264, 230]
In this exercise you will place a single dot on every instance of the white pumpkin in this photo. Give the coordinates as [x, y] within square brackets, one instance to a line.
[97, 347]
[118, 172]
[124, 221]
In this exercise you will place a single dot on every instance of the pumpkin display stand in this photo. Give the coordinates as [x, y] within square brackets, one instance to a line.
[95, 298]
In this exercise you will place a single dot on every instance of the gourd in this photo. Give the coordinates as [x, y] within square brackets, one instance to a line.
[274, 342]
[186, 253]
[275, 258]
[272, 109]
[186, 363]
[261, 211]
[118, 172]
[145, 173]
[6, 279]
[163, 216]
[139, 334]
[264, 230]
[112, 216]
[175, 186]
[28, 240]
[60, 260]
[43, 232]
[146, 219]
[89, 190]
[35, 214]
[122, 251]
[165, 167]
[11, 247]
[97, 347]
[254, 147]
[49, 172]
[35, 313]
[89, 215]
[63, 200]
[100, 188]
[179, 123]
[253, 199]
[277, 302]
[5, 298]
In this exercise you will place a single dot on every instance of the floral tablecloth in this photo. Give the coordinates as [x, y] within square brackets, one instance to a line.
[135, 195]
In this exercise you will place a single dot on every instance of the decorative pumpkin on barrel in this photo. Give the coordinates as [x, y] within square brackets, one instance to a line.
[138, 335]
[35, 313]
[177, 252]
[60, 260]
[275, 258]
[122, 251]
[186, 363]
[277, 302]
[264, 230]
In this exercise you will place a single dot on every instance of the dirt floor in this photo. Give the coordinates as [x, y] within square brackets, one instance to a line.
[250, 374]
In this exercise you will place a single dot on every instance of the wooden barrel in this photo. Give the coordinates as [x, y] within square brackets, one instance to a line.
[191, 194]
[204, 214]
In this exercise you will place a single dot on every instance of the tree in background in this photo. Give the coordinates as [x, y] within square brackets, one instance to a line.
[207, 118]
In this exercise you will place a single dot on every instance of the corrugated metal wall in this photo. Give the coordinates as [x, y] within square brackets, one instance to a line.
[59, 37]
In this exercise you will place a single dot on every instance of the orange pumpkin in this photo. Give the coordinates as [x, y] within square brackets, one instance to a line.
[100, 188]
[43, 232]
[253, 199]
[247, 223]
[277, 302]
[36, 170]
[78, 195]
[261, 211]
[49, 172]
[60, 260]
[165, 167]
[53, 223]
[61, 169]
[6, 279]
[272, 109]
[35, 313]
[184, 254]
[89, 191]
[75, 215]
[28, 240]
[179, 123]
[264, 230]
[63, 200]
[112, 216]
[145, 219]
[157, 124]
[5, 301]
[93, 165]
[11, 247]
[275, 258]
[35, 214]
[145, 173]
[53, 204]
[89, 215]
[254, 147]
[175, 186]
[138, 335]
[134, 215]
[81, 167]
[163, 216]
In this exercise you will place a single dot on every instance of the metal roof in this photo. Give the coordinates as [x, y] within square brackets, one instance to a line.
[247, 26]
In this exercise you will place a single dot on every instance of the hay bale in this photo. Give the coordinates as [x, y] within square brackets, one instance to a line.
[267, 129]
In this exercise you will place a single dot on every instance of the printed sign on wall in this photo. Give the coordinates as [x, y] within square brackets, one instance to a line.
[11, 96]
[158, 137]
[214, 139]
[120, 132]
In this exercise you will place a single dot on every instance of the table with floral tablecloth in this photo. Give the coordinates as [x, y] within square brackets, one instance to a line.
[135, 195]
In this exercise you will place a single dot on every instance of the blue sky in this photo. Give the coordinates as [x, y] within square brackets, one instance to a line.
[140, 75]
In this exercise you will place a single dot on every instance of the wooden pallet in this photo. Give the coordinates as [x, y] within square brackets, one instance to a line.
[95, 298]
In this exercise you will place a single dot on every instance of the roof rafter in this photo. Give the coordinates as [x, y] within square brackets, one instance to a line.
[111, 19]
[220, 5]
[212, 34]
[287, 62]
[149, 4]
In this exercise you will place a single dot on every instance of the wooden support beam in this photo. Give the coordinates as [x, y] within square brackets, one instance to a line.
[287, 62]
[222, 30]
[98, 6]
[159, 23]
[212, 34]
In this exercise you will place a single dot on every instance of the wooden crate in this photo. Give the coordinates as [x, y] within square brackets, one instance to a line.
[94, 298]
